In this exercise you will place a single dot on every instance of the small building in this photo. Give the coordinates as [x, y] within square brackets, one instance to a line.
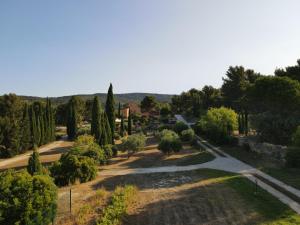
[125, 112]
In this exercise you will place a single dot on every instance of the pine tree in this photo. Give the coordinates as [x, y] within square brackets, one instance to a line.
[96, 119]
[34, 164]
[26, 136]
[129, 123]
[110, 110]
[122, 129]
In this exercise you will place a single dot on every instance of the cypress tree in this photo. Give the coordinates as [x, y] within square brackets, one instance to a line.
[52, 122]
[110, 111]
[107, 129]
[96, 119]
[129, 123]
[119, 110]
[26, 137]
[72, 121]
[122, 129]
[34, 164]
[33, 127]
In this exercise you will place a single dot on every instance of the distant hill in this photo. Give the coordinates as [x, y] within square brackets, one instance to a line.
[123, 98]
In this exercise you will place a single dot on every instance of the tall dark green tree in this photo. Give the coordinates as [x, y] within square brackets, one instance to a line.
[129, 127]
[96, 119]
[122, 128]
[72, 121]
[33, 126]
[110, 110]
[234, 89]
[34, 164]
[119, 110]
[26, 135]
[107, 129]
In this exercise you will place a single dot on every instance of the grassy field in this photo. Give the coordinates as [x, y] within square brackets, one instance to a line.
[200, 197]
[183, 198]
[286, 175]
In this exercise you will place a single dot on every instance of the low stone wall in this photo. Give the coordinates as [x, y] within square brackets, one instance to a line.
[275, 152]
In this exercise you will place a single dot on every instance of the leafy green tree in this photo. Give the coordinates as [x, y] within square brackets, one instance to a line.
[180, 126]
[27, 199]
[234, 90]
[133, 143]
[96, 119]
[218, 124]
[148, 103]
[129, 127]
[188, 135]
[71, 168]
[34, 165]
[169, 142]
[110, 111]
[292, 72]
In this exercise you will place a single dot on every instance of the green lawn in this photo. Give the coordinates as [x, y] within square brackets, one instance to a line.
[199, 158]
[286, 175]
[272, 211]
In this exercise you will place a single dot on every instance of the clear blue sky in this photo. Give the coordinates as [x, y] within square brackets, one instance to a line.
[64, 47]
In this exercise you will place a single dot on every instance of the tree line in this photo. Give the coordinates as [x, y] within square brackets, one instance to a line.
[102, 120]
[24, 126]
[269, 105]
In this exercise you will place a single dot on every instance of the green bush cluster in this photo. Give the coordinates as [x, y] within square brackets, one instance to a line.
[187, 135]
[121, 199]
[179, 127]
[218, 124]
[26, 199]
[71, 168]
[169, 142]
[133, 143]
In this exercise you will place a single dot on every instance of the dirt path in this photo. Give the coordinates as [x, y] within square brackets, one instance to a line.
[48, 153]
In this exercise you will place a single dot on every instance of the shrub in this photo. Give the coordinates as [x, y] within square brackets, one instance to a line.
[97, 153]
[133, 143]
[121, 200]
[108, 151]
[218, 124]
[169, 142]
[34, 165]
[84, 140]
[188, 135]
[71, 168]
[180, 126]
[26, 199]
[293, 157]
